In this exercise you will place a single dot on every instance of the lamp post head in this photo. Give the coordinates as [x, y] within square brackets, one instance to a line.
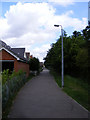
[56, 25]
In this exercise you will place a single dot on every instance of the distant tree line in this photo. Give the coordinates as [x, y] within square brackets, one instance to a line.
[75, 54]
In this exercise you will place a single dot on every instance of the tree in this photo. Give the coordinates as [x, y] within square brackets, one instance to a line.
[82, 62]
[75, 54]
[76, 34]
[34, 64]
[53, 57]
[86, 33]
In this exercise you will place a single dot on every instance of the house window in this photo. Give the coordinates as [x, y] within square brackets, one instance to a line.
[8, 64]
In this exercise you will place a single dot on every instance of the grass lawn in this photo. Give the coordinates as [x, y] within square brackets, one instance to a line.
[75, 88]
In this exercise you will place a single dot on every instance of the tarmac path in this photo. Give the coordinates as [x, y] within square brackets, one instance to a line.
[42, 98]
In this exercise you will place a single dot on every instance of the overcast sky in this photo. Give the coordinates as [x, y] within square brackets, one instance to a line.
[31, 24]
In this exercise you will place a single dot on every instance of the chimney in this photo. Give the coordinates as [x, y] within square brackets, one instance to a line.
[31, 56]
[27, 55]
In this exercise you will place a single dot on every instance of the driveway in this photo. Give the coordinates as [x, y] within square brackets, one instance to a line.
[42, 98]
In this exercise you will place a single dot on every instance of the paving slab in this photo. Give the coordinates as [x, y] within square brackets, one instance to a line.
[41, 97]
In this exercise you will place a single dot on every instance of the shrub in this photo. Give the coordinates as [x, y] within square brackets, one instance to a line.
[11, 83]
[5, 76]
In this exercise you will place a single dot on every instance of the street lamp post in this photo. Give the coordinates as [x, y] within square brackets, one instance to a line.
[62, 55]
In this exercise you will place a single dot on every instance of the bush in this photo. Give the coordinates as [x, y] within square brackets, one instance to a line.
[5, 76]
[11, 83]
[0, 85]
[34, 64]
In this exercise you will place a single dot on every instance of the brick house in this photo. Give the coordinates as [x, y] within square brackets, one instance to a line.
[13, 58]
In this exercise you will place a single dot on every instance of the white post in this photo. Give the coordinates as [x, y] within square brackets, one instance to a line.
[62, 56]
[62, 60]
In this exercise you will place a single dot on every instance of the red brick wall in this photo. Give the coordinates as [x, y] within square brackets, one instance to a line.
[6, 56]
[21, 66]
[17, 64]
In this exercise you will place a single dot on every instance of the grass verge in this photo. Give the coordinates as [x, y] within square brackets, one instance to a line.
[75, 88]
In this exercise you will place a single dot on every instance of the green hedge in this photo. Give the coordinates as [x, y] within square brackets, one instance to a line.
[11, 83]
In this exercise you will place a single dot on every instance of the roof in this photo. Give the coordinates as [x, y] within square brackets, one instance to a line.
[18, 53]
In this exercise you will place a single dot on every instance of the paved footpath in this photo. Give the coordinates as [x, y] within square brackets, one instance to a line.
[42, 98]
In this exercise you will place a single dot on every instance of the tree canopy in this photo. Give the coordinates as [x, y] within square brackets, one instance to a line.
[75, 54]
[34, 64]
